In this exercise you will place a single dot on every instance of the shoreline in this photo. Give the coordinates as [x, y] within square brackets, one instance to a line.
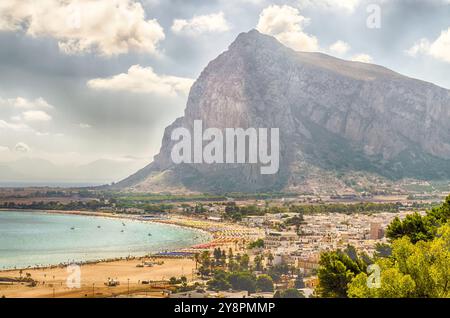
[127, 217]
[132, 273]
[132, 277]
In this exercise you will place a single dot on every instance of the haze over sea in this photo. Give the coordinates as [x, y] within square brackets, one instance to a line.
[40, 239]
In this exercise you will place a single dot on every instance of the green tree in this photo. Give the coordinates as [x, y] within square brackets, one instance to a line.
[199, 208]
[258, 263]
[243, 281]
[296, 221]
[244, 262]
[256, 244]
[220, 281]
[223, 258]
[233, 212]
[336, 271]
[440, 215]
[277, 271]
[264, 283]
[289, 293]
[218, 257]
[383, 250]
[413, 270]
[205, 261]
[270, 258]
[414, 226]
[394, 284]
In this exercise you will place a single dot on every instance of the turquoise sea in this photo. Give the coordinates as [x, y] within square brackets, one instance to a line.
[41, 239]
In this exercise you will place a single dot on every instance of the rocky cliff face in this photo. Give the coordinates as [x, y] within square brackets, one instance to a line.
[334, 116]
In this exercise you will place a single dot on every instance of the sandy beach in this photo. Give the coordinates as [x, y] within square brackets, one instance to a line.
[52, 281]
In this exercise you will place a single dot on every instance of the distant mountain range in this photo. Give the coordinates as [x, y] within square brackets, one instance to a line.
[336, 118]
[38, 171]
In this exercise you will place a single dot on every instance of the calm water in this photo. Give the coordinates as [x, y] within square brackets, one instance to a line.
[37, 238]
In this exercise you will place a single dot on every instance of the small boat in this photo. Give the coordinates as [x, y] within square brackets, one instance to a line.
[99, 227]
[122, 231]
[123, 224]
[149, 234]
[72, 228]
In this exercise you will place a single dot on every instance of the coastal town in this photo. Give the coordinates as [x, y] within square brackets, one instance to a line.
[278, 241]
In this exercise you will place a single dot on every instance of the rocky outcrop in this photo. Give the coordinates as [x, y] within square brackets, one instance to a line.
[334, 116]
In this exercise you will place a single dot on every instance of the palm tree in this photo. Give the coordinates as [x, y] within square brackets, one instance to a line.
[197, 260]
[258, 263]
[206, 264]
[270, 258]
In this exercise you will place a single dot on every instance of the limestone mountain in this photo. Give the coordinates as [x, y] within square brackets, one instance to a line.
[335, 117]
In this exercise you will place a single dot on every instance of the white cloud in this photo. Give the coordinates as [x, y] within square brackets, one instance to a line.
[106, 27]
[144, 80]
[340, 48]
[343, 5]
[84, 126]
[23, 113]
[363, 58]
[438, 49]
[420, 47]
[17, 127]
[23, 103]
[36, 115]
[286, 24]
[201, 24]
[22, 147]
[3, 149]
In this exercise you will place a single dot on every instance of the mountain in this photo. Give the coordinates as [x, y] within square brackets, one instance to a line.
[100, 171]
[336, 118]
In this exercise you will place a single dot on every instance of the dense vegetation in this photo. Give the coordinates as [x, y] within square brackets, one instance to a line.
[420, 228]
[156, 198]
[94, 200]
[289, 293]
[362, 207]
[91, 205]
[416, 264]
[413, 270]
[225, 271]
[236, 213]
[89, 199]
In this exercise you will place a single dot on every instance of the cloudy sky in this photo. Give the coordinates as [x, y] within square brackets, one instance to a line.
[82, 80]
